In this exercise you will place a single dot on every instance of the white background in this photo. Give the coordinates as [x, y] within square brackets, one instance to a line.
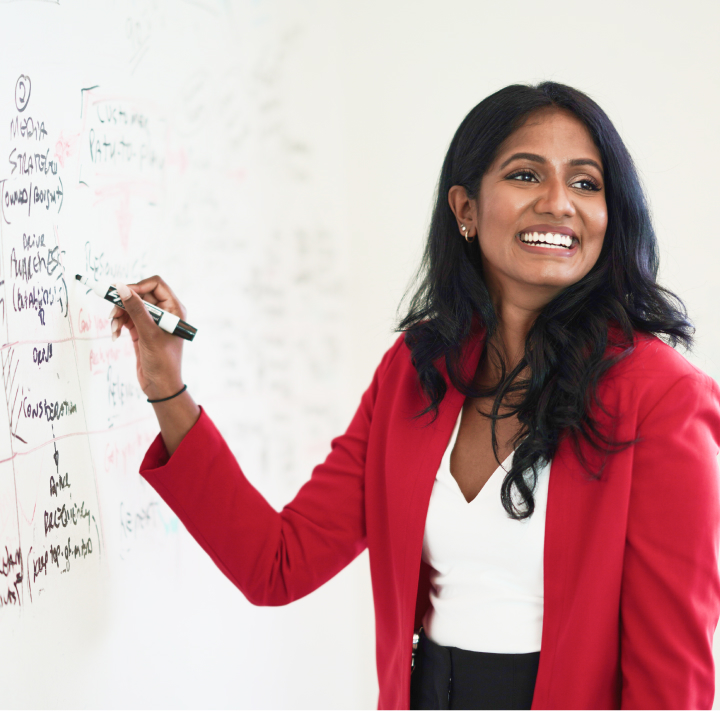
[370, 95]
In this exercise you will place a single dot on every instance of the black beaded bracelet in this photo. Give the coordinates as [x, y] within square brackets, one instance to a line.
[168, 398]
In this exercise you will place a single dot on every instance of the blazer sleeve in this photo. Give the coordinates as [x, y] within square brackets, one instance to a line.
[670, 599]
[272, 557]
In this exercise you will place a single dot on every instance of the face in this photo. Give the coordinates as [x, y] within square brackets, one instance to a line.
[547, 178]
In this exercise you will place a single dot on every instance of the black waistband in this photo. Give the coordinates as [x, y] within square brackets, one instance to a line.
[448, 678]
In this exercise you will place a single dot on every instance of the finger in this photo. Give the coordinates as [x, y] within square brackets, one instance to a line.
[150, 298]
[125, 323]
[159, 296]
[158, 287]
[133, 335]
[118, 323]
[157, 292]
[137, 311]
[116, 327]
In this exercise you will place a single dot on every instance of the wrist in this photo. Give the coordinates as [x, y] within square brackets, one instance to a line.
[157, 391]
[168, 397]
[176, 418]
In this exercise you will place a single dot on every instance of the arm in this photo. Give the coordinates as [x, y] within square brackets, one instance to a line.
[670, 599]
[274, 558]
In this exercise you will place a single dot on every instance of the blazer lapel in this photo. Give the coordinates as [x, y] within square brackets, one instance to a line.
[430, 442]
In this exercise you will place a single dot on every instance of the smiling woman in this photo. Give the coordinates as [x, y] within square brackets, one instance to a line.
[581, 572]
[541, 242]
[561, 277]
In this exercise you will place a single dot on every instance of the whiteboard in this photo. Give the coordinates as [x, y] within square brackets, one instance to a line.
[190, 139]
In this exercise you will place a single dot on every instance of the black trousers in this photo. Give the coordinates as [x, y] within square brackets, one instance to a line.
[447, 678]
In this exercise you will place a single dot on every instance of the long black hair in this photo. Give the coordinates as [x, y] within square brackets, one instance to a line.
[569, 346]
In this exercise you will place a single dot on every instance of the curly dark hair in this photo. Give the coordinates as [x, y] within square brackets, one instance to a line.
[570, 346]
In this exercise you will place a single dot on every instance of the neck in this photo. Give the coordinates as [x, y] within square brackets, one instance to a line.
[513, 328]
[517, 306]
[516, 312]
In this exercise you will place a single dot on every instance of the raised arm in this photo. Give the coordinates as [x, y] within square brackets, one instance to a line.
[274, 558]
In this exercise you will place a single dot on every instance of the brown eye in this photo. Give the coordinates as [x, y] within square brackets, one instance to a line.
[591, 186]
[524, 175]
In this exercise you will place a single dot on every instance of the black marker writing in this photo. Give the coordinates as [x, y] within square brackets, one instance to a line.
[28, 163]
[64, 516]
[42, 355]
[61, 483]
[50, 411]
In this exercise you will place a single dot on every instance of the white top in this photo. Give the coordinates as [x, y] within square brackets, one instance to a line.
[486, 572]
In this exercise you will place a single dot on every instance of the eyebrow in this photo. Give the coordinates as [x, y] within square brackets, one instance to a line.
[540, 159]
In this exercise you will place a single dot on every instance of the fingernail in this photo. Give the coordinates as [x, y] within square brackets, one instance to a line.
[112, 313]
[123, 291]
[114, 337]
[114, 325]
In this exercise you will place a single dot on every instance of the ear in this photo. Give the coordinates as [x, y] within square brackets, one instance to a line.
[463, 209]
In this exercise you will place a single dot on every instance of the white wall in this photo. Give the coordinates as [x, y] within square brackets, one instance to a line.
[377, 90]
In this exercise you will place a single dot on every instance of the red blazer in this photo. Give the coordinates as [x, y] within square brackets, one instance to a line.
[631, 582]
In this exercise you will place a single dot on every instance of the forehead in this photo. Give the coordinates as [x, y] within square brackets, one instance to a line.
[553, 133]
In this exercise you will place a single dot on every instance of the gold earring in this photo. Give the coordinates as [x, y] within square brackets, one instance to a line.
[465, 231]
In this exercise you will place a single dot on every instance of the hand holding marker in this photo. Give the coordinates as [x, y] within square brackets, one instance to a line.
[158, 353]
[164, 320]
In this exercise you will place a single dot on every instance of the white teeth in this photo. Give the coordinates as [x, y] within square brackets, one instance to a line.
[547, 239]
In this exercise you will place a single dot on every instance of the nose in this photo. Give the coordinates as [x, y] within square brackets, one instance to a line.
[555, 199]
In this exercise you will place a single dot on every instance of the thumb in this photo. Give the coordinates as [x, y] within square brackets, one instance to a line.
[135, 309]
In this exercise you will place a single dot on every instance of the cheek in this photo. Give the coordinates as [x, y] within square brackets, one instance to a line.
[596, 224]
[601, 220]
[498, 217]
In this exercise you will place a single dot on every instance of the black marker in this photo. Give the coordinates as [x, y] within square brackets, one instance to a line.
[164, 320]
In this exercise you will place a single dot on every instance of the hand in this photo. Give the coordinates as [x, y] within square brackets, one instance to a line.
[158, 353]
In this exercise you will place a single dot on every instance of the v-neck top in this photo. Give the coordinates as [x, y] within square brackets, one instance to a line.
[486, 577]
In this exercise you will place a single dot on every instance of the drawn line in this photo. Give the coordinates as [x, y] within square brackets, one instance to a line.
[9, 418]
[98, 505]
[12, 412]
[16, 453]
[142, 55]
[143, 47]
[2, 207]
[17, 365]
[82, 97]
[52, 342]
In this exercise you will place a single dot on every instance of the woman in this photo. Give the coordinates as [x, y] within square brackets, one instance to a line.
[532, 341]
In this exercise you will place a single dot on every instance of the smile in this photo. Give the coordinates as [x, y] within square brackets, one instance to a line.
[547, 239]
[553, 245]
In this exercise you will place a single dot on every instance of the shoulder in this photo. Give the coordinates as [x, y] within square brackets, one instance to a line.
[654, 372]
[395, 364]
[396, 358]
[653, 360]
[396, 382]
